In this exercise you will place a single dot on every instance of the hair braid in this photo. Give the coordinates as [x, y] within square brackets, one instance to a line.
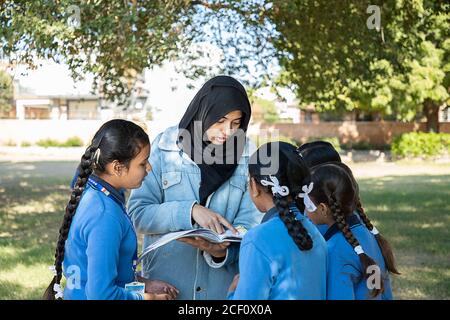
[385, 247]
[342, 224]
[295, 228]
[86, 168]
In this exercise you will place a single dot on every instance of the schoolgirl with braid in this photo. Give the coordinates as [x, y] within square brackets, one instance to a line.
[285, 256]
[320, 152]
[97, 244]
[358, 269]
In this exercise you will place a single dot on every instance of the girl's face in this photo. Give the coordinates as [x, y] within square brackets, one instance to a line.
[138, 169]
[219, 132]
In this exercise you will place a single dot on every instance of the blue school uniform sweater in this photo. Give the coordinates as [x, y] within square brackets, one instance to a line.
[345, 279]
[272, 267]
[100, 247]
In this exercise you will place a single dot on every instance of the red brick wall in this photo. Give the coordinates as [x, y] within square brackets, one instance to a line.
[375, 133]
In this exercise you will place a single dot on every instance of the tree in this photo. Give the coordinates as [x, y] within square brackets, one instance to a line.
[335, 56]
[114, 40]
[6, 91]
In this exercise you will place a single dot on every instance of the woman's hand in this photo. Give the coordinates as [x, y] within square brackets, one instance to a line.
[217, 250]
[207, 218]
[159, 288]
[234, 284]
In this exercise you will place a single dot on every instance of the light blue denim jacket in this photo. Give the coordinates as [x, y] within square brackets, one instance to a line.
[163, 204]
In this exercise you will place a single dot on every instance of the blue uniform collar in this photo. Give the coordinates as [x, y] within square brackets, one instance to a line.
[352, 221]
[116, 194]
[274, 212]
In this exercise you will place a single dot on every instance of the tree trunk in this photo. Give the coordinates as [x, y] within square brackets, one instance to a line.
[431, 112]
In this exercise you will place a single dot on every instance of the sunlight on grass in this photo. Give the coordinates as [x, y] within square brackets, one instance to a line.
[411, 211]
[50, 203]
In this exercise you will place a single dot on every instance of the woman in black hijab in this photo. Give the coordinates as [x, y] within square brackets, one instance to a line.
[199, 179]
[218, 97]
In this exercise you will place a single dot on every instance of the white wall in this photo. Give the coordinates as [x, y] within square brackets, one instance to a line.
[18, 131]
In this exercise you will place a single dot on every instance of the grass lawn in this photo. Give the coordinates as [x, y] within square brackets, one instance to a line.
[412, 210]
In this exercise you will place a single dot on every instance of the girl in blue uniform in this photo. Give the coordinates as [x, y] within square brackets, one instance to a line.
[285, 256]
[97, 243]
[315, 153]
[358, 265]
[320, 152]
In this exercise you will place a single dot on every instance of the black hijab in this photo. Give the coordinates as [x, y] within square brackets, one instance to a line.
[218, 97]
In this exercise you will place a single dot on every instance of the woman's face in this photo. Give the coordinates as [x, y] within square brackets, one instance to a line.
[219, 132]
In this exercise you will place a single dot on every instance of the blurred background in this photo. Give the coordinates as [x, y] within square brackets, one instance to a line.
[372, 78]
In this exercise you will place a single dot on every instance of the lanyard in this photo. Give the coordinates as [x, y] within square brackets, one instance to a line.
[98, 186]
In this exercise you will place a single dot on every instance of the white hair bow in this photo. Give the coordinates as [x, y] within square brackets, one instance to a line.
[53, 270]
[59, 291]
[309, 205]
[276, 188]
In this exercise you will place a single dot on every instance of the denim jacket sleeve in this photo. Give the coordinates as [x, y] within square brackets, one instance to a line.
[247, 217]
[150, 214]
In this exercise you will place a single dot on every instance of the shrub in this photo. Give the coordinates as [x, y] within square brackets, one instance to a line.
[74, 142]
[70, 142]
[421, 144]
[48, 143]
[25, 144]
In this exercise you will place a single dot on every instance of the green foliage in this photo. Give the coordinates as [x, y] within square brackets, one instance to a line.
[327, 53]
[6, 91]
[114, 40]
[337, 62]
[48, 143]
[74, 142]
[25, 144]
[70, 142]
[421, 144]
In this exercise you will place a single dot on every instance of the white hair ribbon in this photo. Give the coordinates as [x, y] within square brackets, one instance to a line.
[59, 291]
[309, 205]
[374, 231]
[276, 188]
[359, 250]
[53, 270]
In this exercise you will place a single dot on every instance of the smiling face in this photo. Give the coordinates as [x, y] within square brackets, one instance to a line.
[220, 131]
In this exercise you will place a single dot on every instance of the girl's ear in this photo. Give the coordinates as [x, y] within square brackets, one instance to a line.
[323, 210]
[117, 167]
[254, 187]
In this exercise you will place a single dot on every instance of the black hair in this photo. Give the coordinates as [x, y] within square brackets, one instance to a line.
[292, 172]
[334, 187]
[116, 139]
[318, 152]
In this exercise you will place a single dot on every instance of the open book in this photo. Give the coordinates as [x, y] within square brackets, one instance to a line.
[207, 234]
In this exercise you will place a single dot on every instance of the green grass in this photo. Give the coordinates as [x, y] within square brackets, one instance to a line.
[413, 212]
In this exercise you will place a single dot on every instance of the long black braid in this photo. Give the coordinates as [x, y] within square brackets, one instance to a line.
[291, 172]
[334, 187]
[86, 168]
